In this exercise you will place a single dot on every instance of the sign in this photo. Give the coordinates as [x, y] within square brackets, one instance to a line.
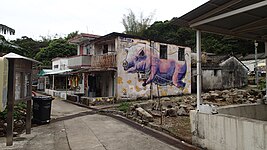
[3, 83]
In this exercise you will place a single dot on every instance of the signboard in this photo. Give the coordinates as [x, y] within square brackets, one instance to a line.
[3, 83]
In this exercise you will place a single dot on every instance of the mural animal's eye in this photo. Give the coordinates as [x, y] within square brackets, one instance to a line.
[142, 53]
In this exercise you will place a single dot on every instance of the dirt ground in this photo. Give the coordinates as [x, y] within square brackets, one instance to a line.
[179, 126]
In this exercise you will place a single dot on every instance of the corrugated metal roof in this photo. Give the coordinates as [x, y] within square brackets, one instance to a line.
[240, 18]
[16, 56]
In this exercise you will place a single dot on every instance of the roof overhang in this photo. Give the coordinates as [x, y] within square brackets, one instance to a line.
[240, 18]
[83, 37]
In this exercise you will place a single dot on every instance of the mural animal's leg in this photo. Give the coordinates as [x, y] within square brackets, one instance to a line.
[175, 75]
[151, 76]
[181, 76]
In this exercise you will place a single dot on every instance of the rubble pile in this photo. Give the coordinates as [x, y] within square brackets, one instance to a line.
[180, 106]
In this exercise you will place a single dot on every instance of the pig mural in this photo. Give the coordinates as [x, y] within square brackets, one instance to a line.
[140, 59]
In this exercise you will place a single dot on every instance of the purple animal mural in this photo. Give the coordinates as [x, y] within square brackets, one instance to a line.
[140, 59]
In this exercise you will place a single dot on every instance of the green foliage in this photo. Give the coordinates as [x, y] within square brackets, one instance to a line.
[262, 84]
[124, 106]
[56, 48]
[19, 111]
[30, 47]
[136, 26]
[213, 43]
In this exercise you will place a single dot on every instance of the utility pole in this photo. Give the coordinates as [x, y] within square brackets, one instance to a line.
[256, 64]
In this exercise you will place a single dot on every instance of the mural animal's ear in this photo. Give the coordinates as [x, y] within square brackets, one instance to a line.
[142, 53]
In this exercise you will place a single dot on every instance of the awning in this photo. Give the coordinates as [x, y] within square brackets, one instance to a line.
[53, 72]
[240, 18]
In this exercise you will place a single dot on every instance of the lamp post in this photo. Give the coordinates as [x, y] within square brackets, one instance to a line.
[256, 64]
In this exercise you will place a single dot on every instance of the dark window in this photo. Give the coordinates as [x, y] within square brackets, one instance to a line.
[163, 51]
[215, 72]
[181, 54]
[55, 66]
[105, 50]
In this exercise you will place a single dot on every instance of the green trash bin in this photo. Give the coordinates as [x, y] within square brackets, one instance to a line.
[41, 109]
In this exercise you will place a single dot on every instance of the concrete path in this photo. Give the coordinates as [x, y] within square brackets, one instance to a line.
[78, 128]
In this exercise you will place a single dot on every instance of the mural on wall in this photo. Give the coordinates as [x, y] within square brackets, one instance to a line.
[140, 59]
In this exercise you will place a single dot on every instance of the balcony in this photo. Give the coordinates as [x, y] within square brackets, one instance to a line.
[79, 61]
[95, 61]
[104, 61]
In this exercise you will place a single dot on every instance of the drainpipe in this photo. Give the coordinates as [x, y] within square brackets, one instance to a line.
[198, 46]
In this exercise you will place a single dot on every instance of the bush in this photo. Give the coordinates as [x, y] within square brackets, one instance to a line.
[124, 106]
[19, 111]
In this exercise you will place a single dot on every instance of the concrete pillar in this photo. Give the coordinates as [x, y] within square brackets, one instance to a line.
[199, 73]
[53, 84]
[266, 68]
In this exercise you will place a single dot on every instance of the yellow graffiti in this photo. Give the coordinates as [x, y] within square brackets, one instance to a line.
[119, 80]
[185, 91]
[129, 81]
[137, 88]
[163, 93]
[124, 91]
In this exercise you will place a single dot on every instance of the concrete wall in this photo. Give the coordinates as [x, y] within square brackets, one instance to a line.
[234, 73]
[252, 111]
[62, 63]
[129, 83]
[227, 132]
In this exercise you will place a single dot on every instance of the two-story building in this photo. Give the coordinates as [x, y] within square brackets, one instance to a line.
[125, 66]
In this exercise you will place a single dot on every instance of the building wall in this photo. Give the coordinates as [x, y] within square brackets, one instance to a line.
[61, 63]
[234, 74]
[251, 63]
[211, 79]
[145, 59]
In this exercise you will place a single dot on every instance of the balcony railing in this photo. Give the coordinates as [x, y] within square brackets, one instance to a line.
[104, 61]
[95, 61]
[79, 61]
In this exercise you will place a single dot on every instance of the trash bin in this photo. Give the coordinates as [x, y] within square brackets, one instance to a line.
[41, 109]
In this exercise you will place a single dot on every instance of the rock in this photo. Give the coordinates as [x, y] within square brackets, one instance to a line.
[155, 113]
[144, 114]
[15, 134]
[194, 104]
[225, 96]
[165, 99]
[171, 112]
[219, 99]
[181, 111]
[225, 91]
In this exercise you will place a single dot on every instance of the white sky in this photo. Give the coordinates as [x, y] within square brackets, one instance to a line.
[35, 18]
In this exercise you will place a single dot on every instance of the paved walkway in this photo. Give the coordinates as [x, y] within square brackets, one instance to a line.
[77, 128]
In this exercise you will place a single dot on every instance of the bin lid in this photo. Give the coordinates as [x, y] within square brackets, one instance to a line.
[43, 98]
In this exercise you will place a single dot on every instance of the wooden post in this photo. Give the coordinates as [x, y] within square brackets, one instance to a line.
[29, 107]
[10, 102]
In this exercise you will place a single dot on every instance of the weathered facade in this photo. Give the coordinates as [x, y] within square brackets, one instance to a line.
[221, 72]
[129, 67]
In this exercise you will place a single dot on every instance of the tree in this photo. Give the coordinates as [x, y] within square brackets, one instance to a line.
[56, 48]
[213, 43]
[136, 26]
[30, 47]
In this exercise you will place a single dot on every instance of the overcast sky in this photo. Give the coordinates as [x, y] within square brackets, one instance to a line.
[35, 18]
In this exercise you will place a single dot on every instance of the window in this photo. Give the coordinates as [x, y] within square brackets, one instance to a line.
[105, 50]
[163, 51]
[181, 54]
[215, 72]
[55, 66]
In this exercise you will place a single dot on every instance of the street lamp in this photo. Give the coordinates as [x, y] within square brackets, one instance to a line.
[256, 63]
